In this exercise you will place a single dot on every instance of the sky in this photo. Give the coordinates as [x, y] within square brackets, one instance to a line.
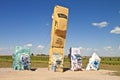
[93, 26]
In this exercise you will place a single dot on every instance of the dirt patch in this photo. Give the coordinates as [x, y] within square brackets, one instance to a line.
[44, 74]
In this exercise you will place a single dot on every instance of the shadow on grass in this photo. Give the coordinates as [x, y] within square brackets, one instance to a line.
[116, 73]
[33, 69]
[65, 69]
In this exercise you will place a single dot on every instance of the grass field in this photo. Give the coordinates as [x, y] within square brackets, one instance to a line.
[107, 63]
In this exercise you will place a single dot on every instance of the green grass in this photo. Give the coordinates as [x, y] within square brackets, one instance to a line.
[6, 61]
[107, 63]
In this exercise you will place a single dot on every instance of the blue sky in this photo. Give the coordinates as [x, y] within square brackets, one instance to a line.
[93, 25]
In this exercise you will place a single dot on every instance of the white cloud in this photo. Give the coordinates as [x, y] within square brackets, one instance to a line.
[5, 51]
[95, 49]
[81, 48]
[119, 47]
[40, 46]
[116, 30]
[107, 48]
[101, 24]
[88, 49]
[119, 12]
[1, 49]
[47, 24]
[28, 45]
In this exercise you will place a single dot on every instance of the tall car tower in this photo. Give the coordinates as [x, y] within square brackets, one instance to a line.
[58, 37]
